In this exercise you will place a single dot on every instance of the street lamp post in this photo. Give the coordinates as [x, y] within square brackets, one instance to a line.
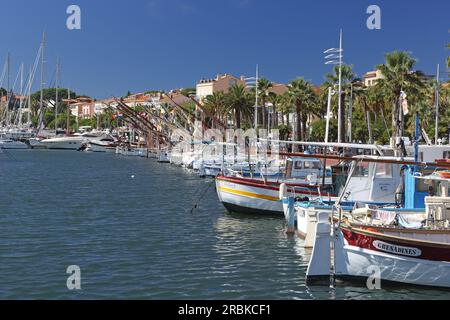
[327, 127]
[436, 106]
[334, 57]
[252, 82]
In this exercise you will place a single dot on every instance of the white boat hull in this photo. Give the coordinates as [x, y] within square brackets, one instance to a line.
[375, 256]
[13, 145]
[63, 144]
[248, 199]
[359, 262]
[101, 148]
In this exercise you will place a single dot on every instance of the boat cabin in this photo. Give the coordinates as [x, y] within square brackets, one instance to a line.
[374, 181]
[420, 185]
[305, 169]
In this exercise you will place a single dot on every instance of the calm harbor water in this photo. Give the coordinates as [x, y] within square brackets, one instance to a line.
[127, 223]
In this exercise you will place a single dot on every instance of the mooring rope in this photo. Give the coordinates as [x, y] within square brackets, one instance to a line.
[195, 206]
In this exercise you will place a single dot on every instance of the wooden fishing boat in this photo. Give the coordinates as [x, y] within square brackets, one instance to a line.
[385, 242]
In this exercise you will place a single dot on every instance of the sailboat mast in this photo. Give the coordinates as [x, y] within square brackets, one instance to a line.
[29, 97]
[8, 76]
[41, 102]
[256, 97]
[21, 95]
[68, 113]
[56, 98]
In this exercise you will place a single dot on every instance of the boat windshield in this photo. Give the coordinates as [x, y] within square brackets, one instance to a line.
[302, 164]
[435, 188]
[383, 170]
[361, 170]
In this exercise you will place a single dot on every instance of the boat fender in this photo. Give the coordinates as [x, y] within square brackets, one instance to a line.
[283, 191]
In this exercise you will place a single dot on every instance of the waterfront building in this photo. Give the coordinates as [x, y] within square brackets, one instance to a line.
[82, 107]
[371, 78]
[221, 83]
[138, 99]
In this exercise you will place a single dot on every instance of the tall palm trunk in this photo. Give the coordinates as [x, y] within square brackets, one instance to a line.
[263, 111]
[298, 124]
[384, 121]
[397, 118]
[274, 116]
[369, 125]
[304, 123]
[238, 118]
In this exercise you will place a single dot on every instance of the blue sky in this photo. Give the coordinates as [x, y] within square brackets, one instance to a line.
[139, 45]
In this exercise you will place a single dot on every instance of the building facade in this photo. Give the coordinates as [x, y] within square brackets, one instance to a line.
[371, 78]
[221, 83]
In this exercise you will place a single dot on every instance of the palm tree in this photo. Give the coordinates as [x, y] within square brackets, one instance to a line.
[285, 107]
[332, 80]
[240, 103]
[366, 98]
[448, 58]
[274, 99]
[264, 86]
[398, 77]
[216, 104]
[303, 97]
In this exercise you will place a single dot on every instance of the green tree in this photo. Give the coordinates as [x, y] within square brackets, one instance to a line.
[216, 104]
[188, 91]
[332, 80]
[285, 106]
[318, 128]
[304, 99]
[264, 86]
[448, 58]
[239, 103]
[275, 100]
[399, 76]
[284, 131]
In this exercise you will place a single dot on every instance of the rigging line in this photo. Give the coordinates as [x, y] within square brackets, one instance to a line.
[6, 112]
[195, 206]
[2, 78]
[32, 75]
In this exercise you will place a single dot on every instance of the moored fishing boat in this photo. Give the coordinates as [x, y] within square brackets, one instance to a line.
[256, 195]
[407, 245]
[407, 258]
[373, 183]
